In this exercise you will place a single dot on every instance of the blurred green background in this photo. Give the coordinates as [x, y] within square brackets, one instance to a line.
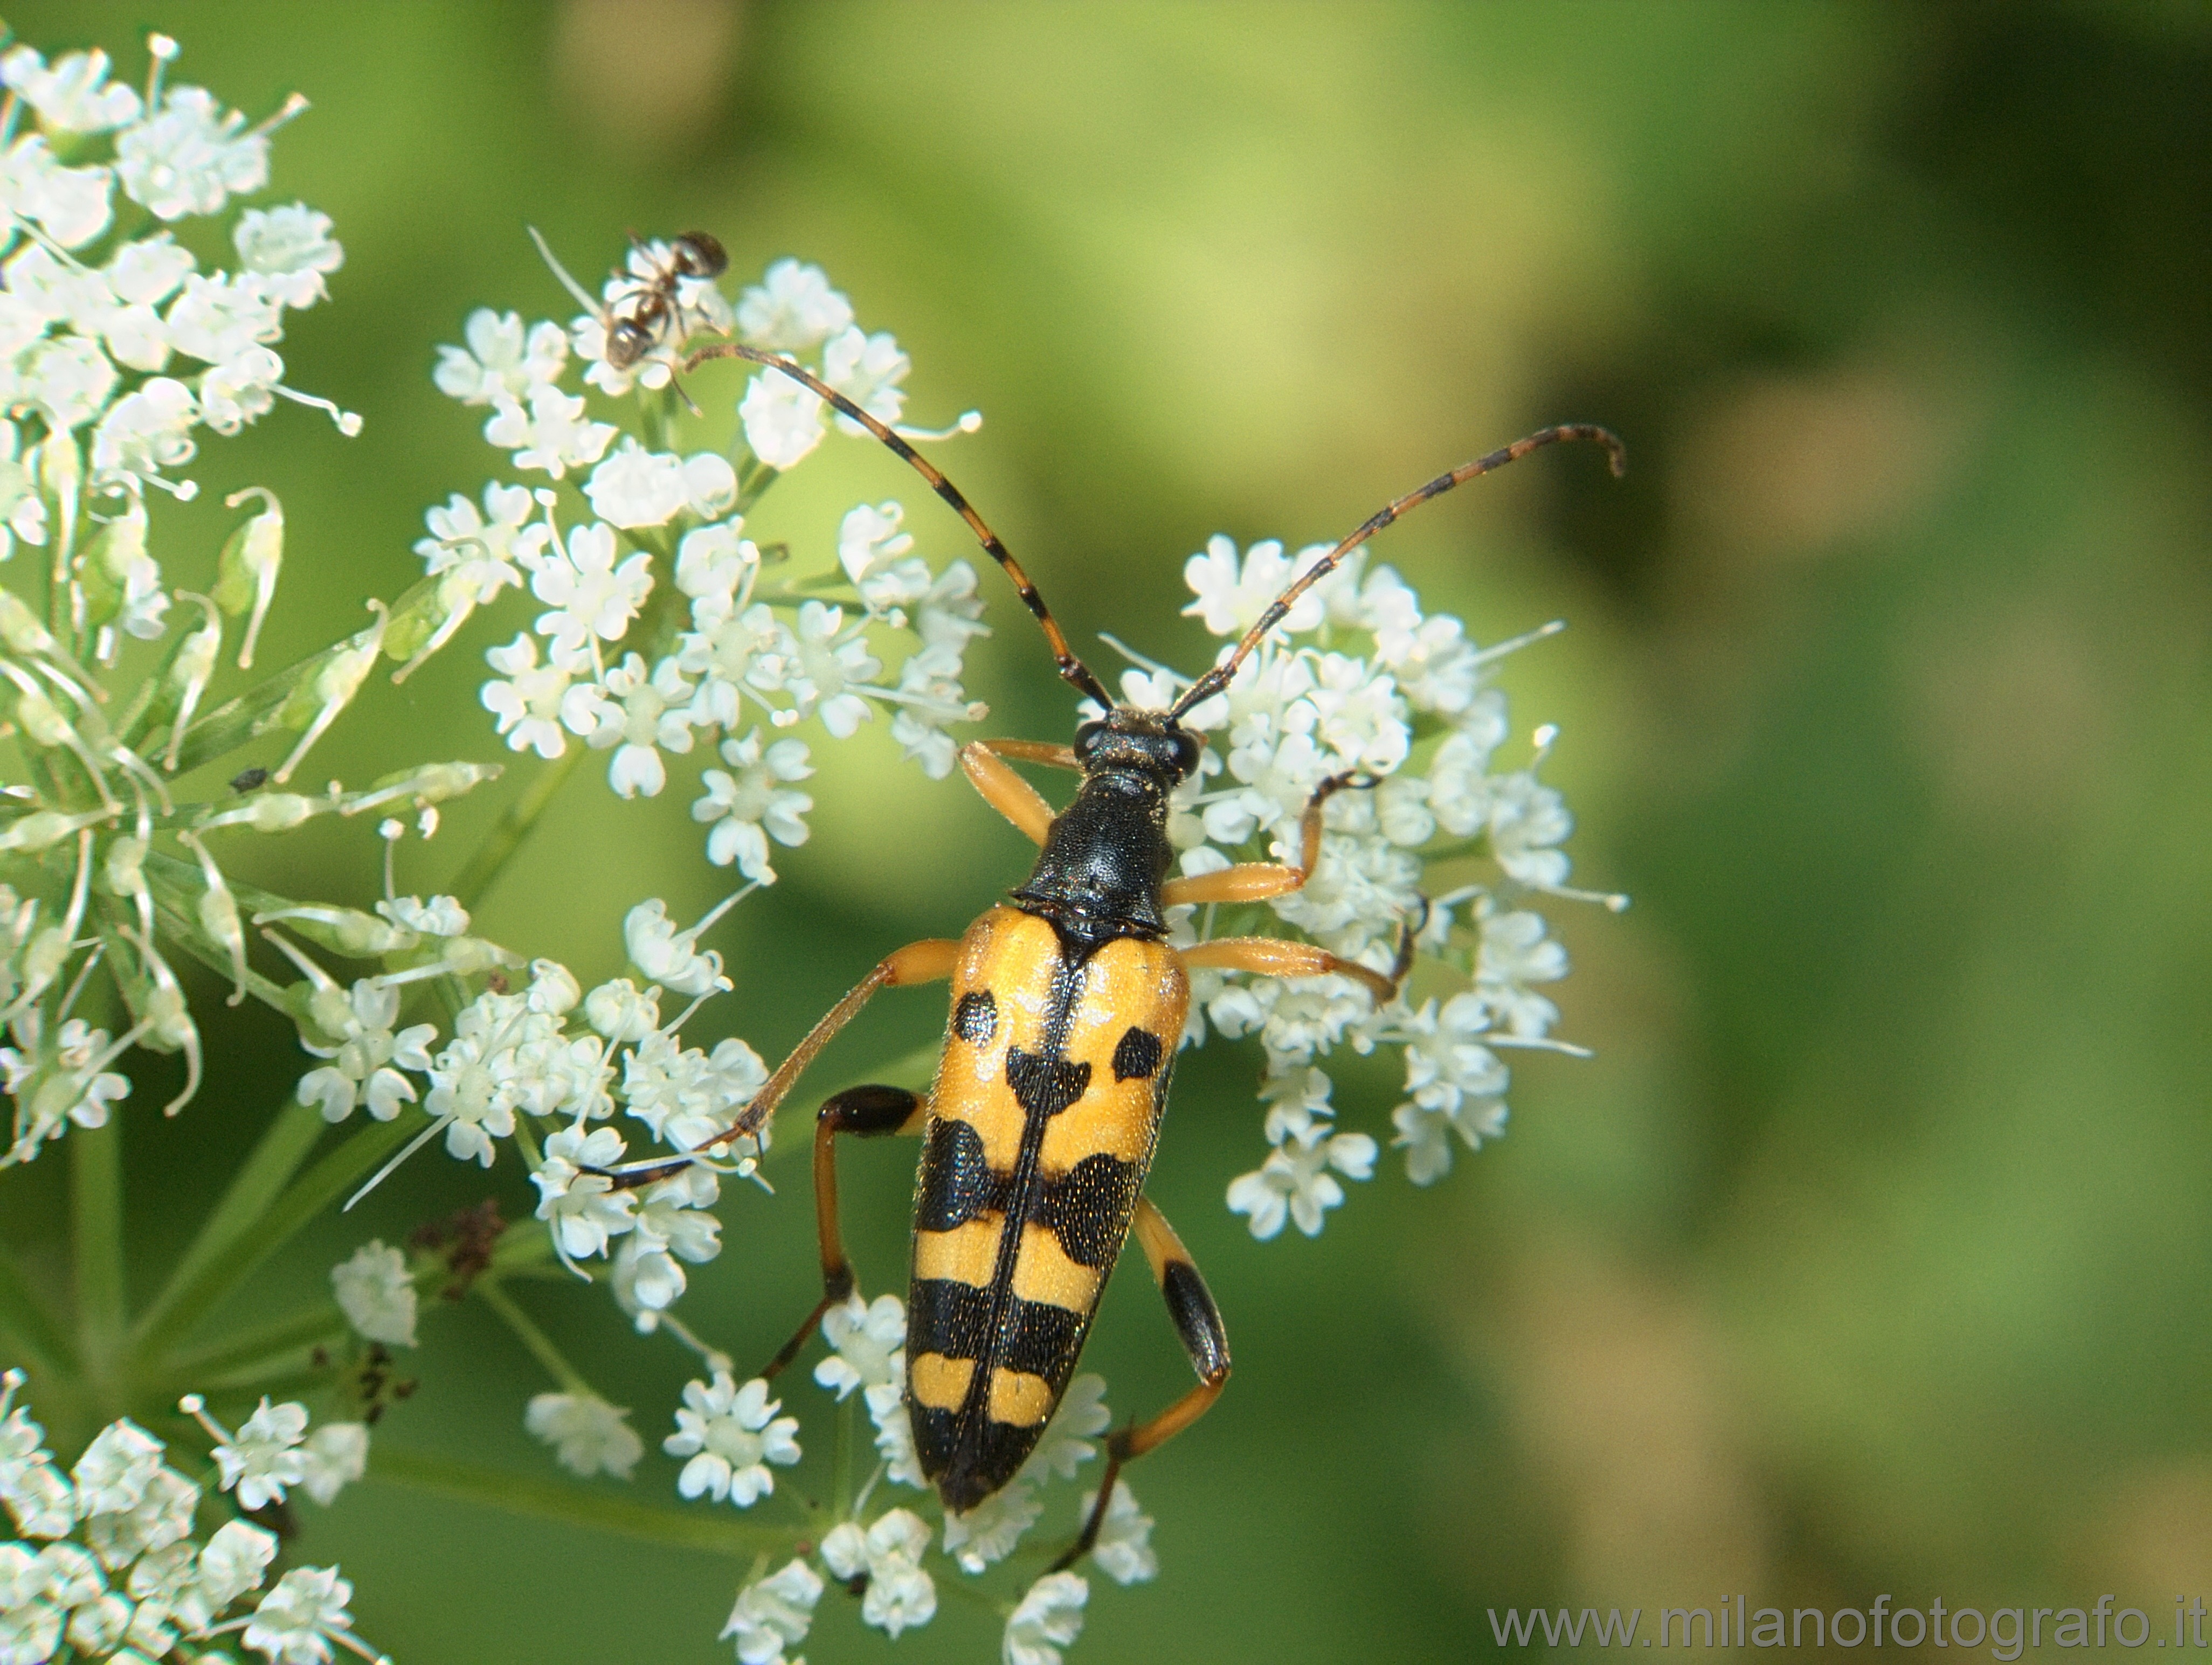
[1871, 1252]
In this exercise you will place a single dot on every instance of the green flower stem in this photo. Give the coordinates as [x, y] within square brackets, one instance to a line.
[190, 1299]
[521, 1252]
[512, 827]
[527, 1332]
[28, 1327]
[276, 1157]
[244, 1362]
[593, 1508]
[96, 1239]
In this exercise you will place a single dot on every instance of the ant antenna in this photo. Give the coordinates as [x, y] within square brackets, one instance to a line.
[1071, 669]
[1219, 677]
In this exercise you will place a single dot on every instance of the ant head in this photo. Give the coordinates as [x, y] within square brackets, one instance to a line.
[698, 254]
[1148, 743]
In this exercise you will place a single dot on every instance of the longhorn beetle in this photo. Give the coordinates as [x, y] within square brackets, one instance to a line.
[1067, 1004]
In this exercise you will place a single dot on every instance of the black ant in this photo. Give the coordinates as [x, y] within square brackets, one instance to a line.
[639, 321]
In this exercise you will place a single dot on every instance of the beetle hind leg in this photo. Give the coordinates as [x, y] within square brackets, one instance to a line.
[1198, 1324]
[864, 1112]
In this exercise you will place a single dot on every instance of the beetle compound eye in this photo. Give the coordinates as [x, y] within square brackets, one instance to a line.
[1086, 741]
[1188, 747]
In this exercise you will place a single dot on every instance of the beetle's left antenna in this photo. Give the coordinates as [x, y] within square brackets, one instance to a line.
[1071, 668]
[1219, 677]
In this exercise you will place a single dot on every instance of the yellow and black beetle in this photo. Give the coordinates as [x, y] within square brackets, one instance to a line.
[1067, 1004]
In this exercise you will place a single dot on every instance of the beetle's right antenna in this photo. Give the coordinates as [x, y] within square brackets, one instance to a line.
[1072, 668]
[1219, 677]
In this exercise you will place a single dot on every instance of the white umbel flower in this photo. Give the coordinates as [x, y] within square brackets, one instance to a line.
[901, 1595]
[895, 1432]
[866, 369]
[774, 1612]
[71, 96]
[1123, 1549]
[528, 702]
[376, 1294]
[750, 803]
[1298, 1180]
[639, 715]
[1049, 1617]
[335, 1455]
[294, 1623]
[264, 1458]
[666, 955]
[117, 1468]
[731, 1434]
[547, 429]
[584, 1209]
[793, 309]
[865, 1338]
[590, 1436]
[502, 359]
[191, 156]
[782, 420]
[289, 249]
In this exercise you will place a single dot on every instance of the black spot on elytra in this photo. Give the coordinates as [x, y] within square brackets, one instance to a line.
[1137, 1056]
[1045, 1086]
[975, 1017]
[1039, 1339]
[1087, 1208]
[947, 1318]
[956, 1184]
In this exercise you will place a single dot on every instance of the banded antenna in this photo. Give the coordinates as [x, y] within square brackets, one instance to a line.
[1220, 676]
[1072, 668]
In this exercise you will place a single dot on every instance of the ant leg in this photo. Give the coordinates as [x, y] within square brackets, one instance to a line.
[1198, 1323]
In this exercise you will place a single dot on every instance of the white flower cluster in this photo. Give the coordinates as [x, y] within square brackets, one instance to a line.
[107, 1566]
[544, 1062]
[116, 352]
[664, 628]
[731, 1433]
[1358, 681]
[121, 350]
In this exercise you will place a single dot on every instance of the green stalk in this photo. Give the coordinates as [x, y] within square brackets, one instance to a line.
[190, 1299]
[592, 1508]
[512, 827]
[520, 1251]
[29, 1328]
[276, 1157]
[527, 1332]
[96, 1239]
[252, 1356]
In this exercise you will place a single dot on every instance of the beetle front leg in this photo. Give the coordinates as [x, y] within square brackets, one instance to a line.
[864, 1112]
[1276, 956]
[984, 763]
[1198, 1324]
[918, 962]
[1256, 881]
